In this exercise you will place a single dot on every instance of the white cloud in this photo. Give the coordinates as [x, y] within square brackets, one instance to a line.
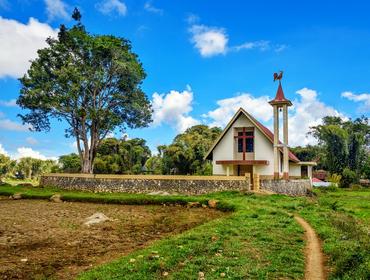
[148, 6]
[260, 45]
[363, 98]
[307, 111]
[56, 9]
[23, 152]
[19, 44]
[2, 150]
[9, 103]
[209, 41]
[29, 152]
[192, 19]
[257, 107]
[31, 141]
[280, 48]
[109, 6]
[13, 126]
[173, 109]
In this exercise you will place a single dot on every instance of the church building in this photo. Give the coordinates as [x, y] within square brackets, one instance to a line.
[247, 146]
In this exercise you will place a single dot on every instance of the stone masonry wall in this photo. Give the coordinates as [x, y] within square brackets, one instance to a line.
[297, 187]
[146, 183]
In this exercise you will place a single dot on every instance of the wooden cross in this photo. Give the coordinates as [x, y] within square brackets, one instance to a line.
[244, 138]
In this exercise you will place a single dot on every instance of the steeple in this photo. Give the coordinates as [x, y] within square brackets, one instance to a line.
[280, 98]
[278, 103]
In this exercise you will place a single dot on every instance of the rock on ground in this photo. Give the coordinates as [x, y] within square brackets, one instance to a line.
[56, 198]
[159, 193]
[96, 218]
[16, 196]
[212, 203]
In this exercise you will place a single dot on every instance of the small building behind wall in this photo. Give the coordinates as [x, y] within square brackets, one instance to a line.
[248, 147]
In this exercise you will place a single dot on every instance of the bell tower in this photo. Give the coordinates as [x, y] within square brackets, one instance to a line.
[280, 103]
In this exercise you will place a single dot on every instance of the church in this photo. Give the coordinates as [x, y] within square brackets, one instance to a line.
[247, 146]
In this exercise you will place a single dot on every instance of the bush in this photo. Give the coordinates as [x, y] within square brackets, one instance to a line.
[334, 178]
[348, 177]
[332, 188]
[356, 187]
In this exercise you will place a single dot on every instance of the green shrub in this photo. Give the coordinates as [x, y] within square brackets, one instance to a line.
[332, 188]
[355, 187]
[334, 178]
[348, 177]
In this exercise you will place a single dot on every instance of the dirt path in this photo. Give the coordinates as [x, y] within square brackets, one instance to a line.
[314, 257]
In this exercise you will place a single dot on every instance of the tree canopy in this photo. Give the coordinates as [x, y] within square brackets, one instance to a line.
[185, 154]
[114, 156]
[92, 82]
[344, 144]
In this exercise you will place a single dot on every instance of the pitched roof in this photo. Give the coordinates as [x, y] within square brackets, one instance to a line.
[265, 131]
[280, 98]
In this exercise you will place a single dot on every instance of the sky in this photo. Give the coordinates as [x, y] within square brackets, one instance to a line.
[204, 59]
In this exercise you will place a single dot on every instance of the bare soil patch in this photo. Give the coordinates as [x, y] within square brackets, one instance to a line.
[41, 239]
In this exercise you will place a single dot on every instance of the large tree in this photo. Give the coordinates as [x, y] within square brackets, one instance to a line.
[345, 144]
[90, 81]
[6, 165]
[122, 156]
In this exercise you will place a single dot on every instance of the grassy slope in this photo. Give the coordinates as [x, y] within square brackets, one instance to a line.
[259, 240]
[342, 220]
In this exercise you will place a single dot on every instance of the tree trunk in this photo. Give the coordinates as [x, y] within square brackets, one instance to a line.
[87, 166]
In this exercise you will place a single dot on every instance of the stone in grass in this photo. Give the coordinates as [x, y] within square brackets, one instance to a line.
[193, 204]
[159, 193]
[201, 275]
[212, 203]
[16, 196]
[56, 198]
[96, 218]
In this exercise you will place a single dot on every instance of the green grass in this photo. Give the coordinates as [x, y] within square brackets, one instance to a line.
[342, 220]
[15, 182]
[258, 240]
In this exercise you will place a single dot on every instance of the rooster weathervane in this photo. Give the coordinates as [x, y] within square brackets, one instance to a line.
[278, 77]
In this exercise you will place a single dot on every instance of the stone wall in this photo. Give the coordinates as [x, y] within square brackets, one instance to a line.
[290, 187]
[146, 183]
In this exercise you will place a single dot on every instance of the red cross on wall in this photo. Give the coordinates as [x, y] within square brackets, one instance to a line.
[244, 138]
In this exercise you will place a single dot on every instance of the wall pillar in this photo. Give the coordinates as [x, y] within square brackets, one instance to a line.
[309, 171]
[227, 170]
[276, 142]
[285, 149]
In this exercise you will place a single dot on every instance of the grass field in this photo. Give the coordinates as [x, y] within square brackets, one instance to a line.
[258, 240]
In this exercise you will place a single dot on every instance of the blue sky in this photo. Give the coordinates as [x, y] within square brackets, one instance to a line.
[204, 59]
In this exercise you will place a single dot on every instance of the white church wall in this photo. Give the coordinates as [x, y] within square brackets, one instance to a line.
[263, 149]
[223, 151]
[294, 170]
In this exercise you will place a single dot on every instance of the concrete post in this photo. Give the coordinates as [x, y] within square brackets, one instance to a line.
[227, 170]
[309, 172]
[256, 182]
[285, 150]
[276, 142]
